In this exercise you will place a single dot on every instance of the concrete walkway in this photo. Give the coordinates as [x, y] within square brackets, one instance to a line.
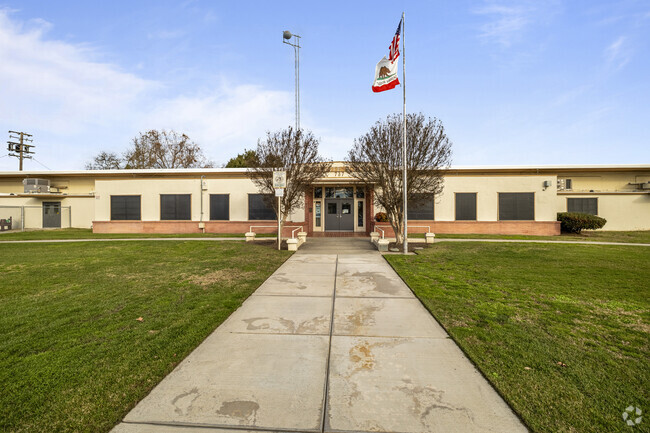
[333, 341]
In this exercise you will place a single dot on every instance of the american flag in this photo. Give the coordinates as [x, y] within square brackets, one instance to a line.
[394, 46]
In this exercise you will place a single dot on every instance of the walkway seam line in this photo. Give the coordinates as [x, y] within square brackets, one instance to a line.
[329, 351]
[220, 426]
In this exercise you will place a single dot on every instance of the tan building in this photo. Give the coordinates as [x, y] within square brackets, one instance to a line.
[498, 200]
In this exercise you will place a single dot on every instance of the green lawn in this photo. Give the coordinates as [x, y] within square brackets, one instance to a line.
[518, 310]
[640, 236]
[88, 234]
[74, 355]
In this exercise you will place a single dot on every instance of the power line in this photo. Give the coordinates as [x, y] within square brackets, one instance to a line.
[42, 164]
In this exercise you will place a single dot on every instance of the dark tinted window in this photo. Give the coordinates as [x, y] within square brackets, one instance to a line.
[219, 207]
[125, 207]
[583, 205]
[360, 213]
[259, 208]
[175, 207]
[516, 206]
[466, 206]
[421, 208]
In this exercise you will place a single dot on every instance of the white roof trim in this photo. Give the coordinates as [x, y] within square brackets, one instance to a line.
[90, 173]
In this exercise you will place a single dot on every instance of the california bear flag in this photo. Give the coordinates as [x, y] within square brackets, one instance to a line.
[386, 69]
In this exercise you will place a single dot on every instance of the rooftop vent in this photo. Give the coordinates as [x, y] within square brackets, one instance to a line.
[36, 185]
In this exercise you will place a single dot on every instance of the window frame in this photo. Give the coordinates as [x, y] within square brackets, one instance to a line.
[126, 195]
[227, 195]
[433, 210]
[582, 198]
[475, 206]
[248, 203]
[515, 192]
[176, 207]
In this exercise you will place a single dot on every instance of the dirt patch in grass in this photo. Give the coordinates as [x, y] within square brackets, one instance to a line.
[222, 276]
[412, 246]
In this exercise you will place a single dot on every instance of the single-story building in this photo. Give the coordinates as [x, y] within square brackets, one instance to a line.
[494, 200]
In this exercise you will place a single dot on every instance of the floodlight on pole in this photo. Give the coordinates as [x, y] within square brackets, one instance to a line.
[286, 37]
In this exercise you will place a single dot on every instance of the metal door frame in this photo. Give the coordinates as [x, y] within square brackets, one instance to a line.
[47, 204]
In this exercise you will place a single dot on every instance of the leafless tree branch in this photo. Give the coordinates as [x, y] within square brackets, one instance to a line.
[296, 152]
[376, 160]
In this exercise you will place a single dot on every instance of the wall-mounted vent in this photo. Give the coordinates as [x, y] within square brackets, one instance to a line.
[564, 184]
[36, 185]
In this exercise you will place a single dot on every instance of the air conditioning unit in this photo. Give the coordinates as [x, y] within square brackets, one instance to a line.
[36, 185]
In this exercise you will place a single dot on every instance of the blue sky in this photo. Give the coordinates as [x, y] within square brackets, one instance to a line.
[523, 82]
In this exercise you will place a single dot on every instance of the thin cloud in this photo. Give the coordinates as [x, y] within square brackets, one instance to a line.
[44, 81]
[618, 53]
[77, 105]
[505, 23]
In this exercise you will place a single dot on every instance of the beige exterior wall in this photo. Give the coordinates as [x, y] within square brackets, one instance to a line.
[75, 212]
[487, 197]
[622, 211]
[487, 189]
[620, 201]
[150, 190]
[605, 181]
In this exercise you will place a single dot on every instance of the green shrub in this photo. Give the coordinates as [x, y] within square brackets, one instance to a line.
[381, 217]
[575, 222]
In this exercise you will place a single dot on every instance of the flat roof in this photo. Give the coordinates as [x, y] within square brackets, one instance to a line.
[209, 171]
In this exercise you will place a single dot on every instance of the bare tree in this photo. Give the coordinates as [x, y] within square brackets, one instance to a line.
[165, 149]
[105, 161]
[376, 160]
[296, 152]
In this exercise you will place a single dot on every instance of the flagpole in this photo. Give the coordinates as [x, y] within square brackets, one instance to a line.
[406, 248]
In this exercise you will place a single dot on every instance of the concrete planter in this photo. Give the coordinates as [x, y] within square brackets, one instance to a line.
[302, 238]
[374, 237]
[382, 245]
[250, 236]
[429, 237]
[292, 244]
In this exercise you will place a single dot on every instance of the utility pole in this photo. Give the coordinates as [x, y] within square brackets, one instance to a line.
[20, 149]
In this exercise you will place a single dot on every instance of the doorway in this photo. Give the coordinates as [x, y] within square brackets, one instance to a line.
[339, 215]
[52, 214]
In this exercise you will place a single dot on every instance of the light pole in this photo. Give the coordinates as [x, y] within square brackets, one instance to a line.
[286, 38]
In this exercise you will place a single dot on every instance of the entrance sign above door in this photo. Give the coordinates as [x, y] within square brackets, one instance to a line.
[279, 179]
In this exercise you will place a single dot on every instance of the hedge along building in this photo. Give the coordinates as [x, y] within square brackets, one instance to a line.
[494, 200]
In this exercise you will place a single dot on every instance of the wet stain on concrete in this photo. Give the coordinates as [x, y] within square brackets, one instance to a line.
[243, 410]
[289, 282]
[364, 283]
[183, 402]
[280, 324]
[362, 357]
[382, 283]
[361, 318]
[427, 399]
